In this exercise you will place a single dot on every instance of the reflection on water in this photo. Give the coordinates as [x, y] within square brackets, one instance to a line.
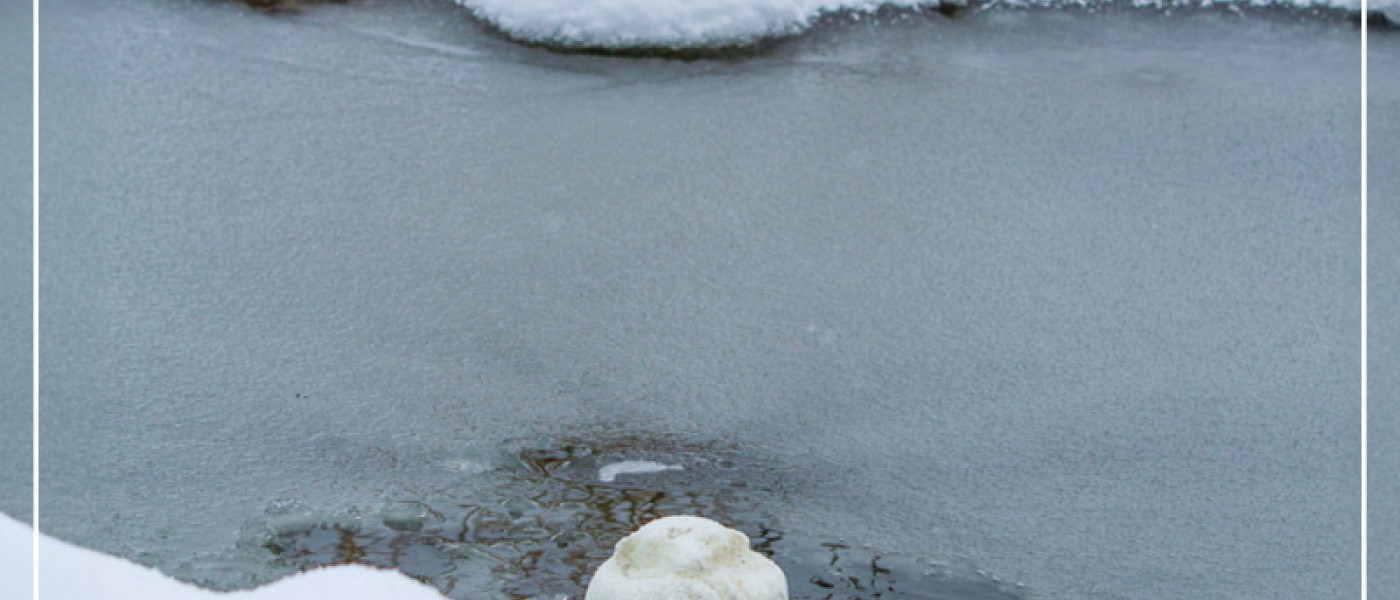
[550, 522]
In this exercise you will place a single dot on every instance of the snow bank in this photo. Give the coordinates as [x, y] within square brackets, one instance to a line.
[16, 559]
[68, 572]
[666, 23]
[680, 24]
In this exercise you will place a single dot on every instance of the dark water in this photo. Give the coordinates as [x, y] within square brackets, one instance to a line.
[16, 219]
[1069, 299]
[1384, 315]
[548, 523]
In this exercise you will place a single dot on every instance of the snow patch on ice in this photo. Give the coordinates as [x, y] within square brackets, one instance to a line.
[68, 571]
[633, 467]
[659, 23]
[682, 24]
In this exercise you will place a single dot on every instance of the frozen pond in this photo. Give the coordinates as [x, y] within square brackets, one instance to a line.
[1054, 298]
[1383, 324]
[16, 260]
[16, 318]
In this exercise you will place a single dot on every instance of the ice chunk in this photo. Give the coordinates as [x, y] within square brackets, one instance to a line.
[630, 467]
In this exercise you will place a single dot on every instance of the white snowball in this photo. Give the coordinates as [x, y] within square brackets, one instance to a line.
[687, 558]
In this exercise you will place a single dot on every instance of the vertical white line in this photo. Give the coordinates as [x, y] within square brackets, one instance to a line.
[34, 280]
[1365, 35]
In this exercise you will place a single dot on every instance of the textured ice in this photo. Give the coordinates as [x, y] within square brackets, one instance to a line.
[683, 558]
[407, 516]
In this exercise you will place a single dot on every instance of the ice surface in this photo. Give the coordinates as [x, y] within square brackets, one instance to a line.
[1070, 298]
[16, 168]
[1384, 318]
[685, 558]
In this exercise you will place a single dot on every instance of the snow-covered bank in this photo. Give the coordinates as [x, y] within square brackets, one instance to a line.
[16, 559]
[69, 572]
[708, 23]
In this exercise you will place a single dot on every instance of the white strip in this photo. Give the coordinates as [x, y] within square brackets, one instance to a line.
[633, 467]
[1365, 181]
[34, 300]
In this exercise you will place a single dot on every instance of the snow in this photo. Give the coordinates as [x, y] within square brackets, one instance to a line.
[675, 23]
[69, 572]
[633, 467]
[16, 559]
[700, 23]
[683, 558]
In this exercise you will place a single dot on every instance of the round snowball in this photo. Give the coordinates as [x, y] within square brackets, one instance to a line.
[687, 558]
